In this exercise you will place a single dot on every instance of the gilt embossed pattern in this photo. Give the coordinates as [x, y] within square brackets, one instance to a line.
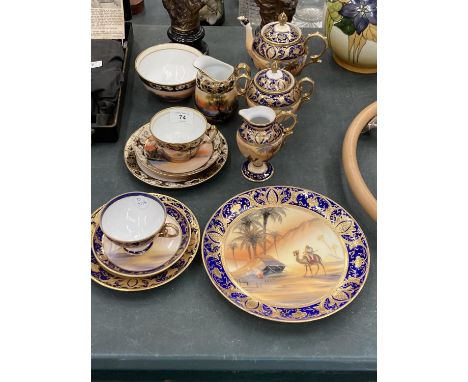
[274, 85]
[129, 284]
[218, 87]
[343, 225]
[271, 33]
[274, 100]
[98, 250]
[259, 136]
[132, 165]
[275, 52]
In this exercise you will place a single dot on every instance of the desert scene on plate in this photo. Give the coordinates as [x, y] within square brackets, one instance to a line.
[284, 256]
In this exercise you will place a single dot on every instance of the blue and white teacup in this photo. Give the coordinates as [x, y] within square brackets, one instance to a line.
[134, 219]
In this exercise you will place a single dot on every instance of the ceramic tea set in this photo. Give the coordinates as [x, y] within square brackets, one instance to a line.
[141, 240]
[179, 147]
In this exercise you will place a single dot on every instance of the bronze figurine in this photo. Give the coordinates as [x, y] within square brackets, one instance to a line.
[271, 9]
[185, 23]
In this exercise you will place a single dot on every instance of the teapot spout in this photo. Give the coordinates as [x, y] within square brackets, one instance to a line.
[248, 33]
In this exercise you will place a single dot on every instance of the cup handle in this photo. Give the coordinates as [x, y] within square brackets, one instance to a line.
[305, 95]
[211, 132]
[315, 58]
[239, 75]
[165, 231]
[284, 115]
[155, 154]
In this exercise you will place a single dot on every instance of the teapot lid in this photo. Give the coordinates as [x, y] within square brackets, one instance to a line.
[274, 80]
[281, 32]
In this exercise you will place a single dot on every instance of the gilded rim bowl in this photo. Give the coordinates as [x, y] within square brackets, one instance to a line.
[167, 70]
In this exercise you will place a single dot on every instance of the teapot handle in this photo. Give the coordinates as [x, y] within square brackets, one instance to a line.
[237, 72]
[284, 115]
[315, 58]
[305, 95]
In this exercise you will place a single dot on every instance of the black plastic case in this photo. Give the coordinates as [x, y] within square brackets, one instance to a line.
[110, 133]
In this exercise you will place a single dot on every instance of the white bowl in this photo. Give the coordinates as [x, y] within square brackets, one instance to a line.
[167, 70]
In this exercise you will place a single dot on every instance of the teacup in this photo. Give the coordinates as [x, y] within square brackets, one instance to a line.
[178, 133]
[134, 219]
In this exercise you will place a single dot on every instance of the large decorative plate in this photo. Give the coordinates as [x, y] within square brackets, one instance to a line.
[134, 168]
[285, 254]
[129, 284]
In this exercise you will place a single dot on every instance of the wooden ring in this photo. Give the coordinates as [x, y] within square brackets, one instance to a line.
[350, 163]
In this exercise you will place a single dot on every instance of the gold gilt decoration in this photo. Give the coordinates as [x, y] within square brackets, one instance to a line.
[239, 221]
[130, 158]
[124, 284]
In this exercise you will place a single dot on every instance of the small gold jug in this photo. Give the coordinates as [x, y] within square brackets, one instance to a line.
[215, 92]
[260, 137]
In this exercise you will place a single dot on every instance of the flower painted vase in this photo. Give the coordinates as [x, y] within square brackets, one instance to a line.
[351, 29]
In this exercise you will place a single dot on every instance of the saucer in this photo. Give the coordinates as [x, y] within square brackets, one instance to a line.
[204, 158]
[134, 284]
[163, 252]
[152, 178]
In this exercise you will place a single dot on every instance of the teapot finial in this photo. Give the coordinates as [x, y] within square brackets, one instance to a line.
[274, 66]
[282, 18]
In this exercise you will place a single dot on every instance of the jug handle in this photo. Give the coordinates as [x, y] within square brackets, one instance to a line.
[284, 115]
[237, 72]
[305, 95]
[315, 58]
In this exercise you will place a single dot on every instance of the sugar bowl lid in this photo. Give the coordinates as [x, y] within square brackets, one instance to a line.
[281, 32]
[274, 80]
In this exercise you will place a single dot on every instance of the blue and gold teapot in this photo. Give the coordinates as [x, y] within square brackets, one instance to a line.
[275, 88]
[283, 42]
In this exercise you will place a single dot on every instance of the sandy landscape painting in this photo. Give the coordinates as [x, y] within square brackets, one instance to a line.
[285, 256]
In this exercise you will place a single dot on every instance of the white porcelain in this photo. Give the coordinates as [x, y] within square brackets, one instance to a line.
[134, 219]
[168, 126]
[215, 69]
[258, 114]
[178, 133]
[167, 70]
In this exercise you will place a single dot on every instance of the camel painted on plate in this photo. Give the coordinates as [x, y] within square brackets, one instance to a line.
[308, 260]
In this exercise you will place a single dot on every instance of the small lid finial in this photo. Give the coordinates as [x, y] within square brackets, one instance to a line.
[274, 66]
[282, 18]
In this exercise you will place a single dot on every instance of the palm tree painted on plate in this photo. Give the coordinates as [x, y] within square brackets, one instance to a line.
[233, 246]
[273, 214]
[249, 237]
[275, 236]
[247, 222]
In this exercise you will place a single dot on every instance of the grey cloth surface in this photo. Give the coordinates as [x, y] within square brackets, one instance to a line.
[187, 324]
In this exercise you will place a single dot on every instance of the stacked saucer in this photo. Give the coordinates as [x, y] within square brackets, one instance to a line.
[209, 159]
[145, 264]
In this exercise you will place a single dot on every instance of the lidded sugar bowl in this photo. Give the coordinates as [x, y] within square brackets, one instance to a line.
[260, 137]
[281, 41]
[275, 88]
